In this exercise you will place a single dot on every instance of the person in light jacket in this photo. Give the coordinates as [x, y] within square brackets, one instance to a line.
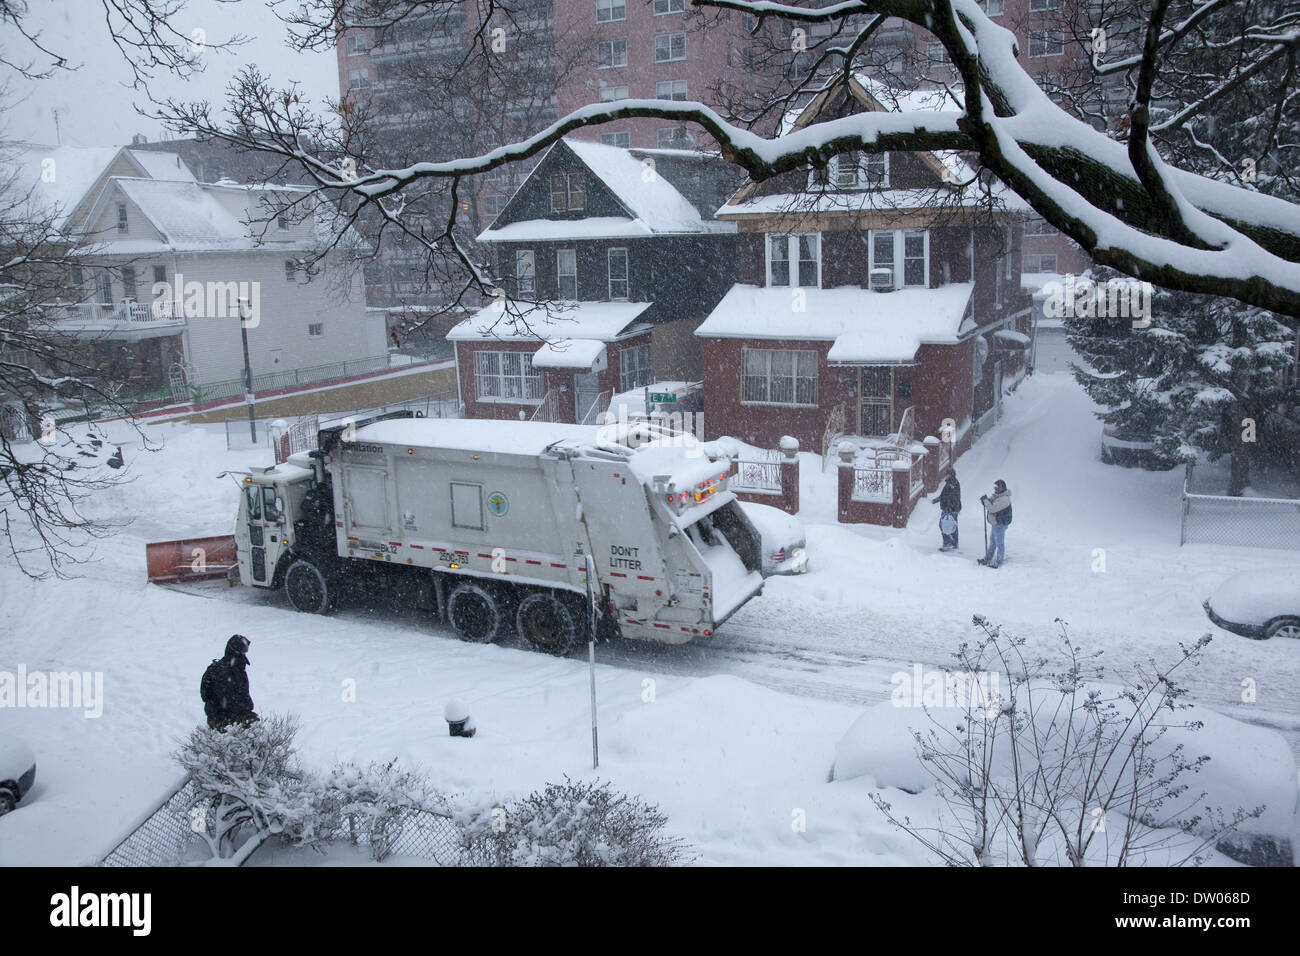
[997, 512]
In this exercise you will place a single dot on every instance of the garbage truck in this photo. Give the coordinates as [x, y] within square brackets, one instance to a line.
[490, 524]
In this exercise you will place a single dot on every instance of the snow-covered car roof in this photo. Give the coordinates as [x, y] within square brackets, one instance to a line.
[1257, 597]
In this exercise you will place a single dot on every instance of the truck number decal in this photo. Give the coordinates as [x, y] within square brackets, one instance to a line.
[624, 557]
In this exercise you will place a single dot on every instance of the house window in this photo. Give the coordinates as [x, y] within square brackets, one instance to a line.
[610, 93]
[76, 275]
[1038, 262]
[673, 137]
[1046, 42]
[779, 377]
[670, 90]
[856, 170]
[525, 272]
[634, 367]
[358, 79]
[937, 52]
[568, 193]
[608, 11]
[618, 274]
[104, 287]
[670, 46]
[128, 282]
[795, 257]
[566, 274]
[121, 217]
[889, 249]
[493, 203]
[1036, 5]
[356, 44]
[618, 138]
[315, 329]
[611, 53]
[159, 273]
[507, 375]
[993, 8]
[669, 6]
[290, 270]
[1038, 226]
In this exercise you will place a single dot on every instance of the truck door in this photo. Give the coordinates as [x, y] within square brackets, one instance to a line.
[259, 498]
[366, 500]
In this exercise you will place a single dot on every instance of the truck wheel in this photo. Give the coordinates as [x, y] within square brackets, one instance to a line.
[475, 613]
[307, 588]
[549, 623]
[7, 800]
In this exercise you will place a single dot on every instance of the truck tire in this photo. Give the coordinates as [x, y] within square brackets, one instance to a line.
[475, 613]
[308, 589]
[550, 623]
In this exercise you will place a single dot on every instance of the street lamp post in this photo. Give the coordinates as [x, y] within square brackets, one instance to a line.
[248, 369]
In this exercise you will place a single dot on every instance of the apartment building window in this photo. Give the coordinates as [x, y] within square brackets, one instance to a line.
[315, 329]
[994, 8]
[128, 282]
[1046, 42]
[779, 377]
[1038, 226]
[609, 94]
[506, 375]
[673, 137]
[617, 138]
[358, 79]
[890, 248]
[568, 193]
[670, 90]
[670, 46]
[121, 217]
[794, 256]
[525, 272]
[1038, 262]
[608, 11]
[566, 274]
[669, 6]
[356, 44]
[634, 367]
[618, 274]
[610, 54]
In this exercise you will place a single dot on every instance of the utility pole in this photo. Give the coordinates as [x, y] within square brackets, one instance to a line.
[248, 370]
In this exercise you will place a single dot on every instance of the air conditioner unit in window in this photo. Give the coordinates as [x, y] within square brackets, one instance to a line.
[882, 280]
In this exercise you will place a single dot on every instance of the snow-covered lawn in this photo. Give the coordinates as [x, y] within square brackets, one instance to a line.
[733, 763]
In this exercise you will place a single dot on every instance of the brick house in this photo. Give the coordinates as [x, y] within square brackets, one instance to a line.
[608, 260]
[870, 288]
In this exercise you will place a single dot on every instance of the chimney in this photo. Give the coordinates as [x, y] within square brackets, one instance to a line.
[139, 139]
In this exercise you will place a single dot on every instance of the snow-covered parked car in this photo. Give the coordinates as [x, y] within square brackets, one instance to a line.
[784, 540]
[17, 772]
[1258, 604]
[1116, 449]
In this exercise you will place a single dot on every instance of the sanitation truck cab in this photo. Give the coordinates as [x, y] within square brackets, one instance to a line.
[269, 502]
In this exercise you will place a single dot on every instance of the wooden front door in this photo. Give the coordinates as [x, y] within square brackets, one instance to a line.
[875, 400]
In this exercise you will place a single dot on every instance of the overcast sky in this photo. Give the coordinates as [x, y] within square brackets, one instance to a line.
[95, 102]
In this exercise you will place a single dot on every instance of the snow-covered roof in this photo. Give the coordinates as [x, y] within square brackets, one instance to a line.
[161, 165]
[474, 434]
[862, 200]
[572, 339]
[654, 205]
[568, 353]
[865, 326]
[1033, 281]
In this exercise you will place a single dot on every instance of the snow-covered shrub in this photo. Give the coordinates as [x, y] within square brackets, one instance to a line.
[1061, 767]
[371, 804]
[571, 824]
[251, 787]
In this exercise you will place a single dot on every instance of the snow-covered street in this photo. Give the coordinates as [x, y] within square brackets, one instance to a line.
[730, 736]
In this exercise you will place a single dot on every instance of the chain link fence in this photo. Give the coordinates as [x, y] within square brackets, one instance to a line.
[164, 836]
[1240, 522]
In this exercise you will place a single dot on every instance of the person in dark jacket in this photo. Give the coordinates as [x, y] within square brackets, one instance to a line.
[997, 511]
[224, 687]
[949, 502]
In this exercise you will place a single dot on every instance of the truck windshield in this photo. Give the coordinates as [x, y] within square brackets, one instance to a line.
[254, 496]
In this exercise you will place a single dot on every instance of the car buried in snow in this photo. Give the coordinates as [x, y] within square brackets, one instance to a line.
[1258, 604]
[17, 772]
[784, 540]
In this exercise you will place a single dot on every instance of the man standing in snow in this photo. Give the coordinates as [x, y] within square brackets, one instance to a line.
[997, 512]
[224, 687]
[949, 502]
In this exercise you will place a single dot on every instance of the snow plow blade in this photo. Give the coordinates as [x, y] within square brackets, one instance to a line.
[190, 559]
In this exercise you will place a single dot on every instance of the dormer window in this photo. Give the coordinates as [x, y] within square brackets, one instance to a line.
[121, 217]
[568, 193]
[856, 170]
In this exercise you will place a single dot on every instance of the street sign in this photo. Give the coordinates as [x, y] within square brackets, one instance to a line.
[663, 398]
